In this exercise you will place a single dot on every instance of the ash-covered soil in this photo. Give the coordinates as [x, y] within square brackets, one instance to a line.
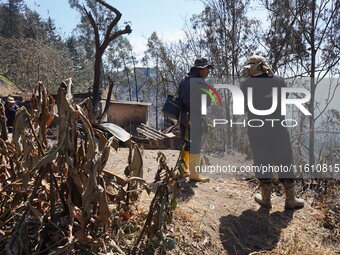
[221, 216]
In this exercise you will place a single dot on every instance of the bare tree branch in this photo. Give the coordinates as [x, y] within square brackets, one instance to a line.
[94, 26]
[329, 99]
[114, 22]
[127, 30]
[326, 28]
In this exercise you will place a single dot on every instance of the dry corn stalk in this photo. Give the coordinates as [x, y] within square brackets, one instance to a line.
[54, 185]
[54, 193]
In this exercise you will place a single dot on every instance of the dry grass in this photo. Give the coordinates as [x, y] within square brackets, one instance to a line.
[182, 215]
[299, 245]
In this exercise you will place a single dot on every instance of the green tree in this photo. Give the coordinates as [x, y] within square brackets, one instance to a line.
[168, 64]
[167, 57]
[119, 60]
[34, 26]
[53, 37]
[12, 20]
[82, 66]
[72, 47]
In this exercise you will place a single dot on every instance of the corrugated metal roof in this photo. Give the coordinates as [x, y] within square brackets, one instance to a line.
[129, 102]
[150, 132]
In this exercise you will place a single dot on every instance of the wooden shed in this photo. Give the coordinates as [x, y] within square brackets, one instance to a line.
[128, 114]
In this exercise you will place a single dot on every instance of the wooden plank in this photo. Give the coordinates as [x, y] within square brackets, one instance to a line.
[161, 136]
[147, 134]
[153, 131]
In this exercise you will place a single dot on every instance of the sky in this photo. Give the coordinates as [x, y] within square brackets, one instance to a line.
[166, 17]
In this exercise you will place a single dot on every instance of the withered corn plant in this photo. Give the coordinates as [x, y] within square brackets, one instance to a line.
[55, 197]
[152, 238]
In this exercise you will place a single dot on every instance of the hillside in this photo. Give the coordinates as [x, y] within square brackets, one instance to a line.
[7, 87]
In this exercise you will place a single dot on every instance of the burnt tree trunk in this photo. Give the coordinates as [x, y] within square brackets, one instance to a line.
[97, 81]
[312, 89]
[101, 46]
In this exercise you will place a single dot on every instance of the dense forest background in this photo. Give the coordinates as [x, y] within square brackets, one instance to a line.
[300, 40]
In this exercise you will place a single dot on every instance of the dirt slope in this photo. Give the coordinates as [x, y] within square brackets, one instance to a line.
[221, 217]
